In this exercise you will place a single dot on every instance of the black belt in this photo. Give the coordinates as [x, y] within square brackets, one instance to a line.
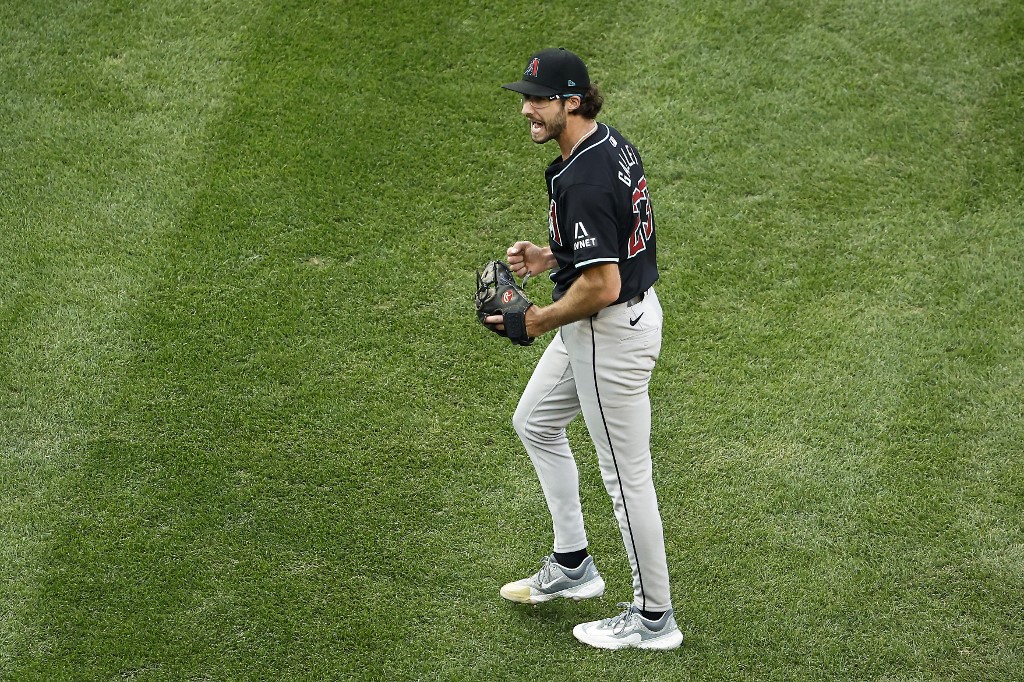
[631, 302]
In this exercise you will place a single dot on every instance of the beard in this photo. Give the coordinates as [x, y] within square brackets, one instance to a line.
[553, 128]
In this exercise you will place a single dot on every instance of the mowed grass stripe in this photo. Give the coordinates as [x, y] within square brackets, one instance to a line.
[108, 108]
[200, 525]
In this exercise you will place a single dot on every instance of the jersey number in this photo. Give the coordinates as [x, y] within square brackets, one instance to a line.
[643, 229]
[553, 231]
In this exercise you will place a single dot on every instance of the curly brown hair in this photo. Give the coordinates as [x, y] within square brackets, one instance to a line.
[591, 102]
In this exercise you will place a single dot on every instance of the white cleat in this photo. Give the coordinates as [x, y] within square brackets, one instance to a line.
[630, 629]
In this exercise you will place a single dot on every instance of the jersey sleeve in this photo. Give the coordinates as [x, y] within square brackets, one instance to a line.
[589, 222]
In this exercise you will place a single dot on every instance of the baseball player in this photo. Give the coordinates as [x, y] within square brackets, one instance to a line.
[601, 254]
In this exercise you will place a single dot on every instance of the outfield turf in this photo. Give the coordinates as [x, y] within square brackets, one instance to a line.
[251, 429]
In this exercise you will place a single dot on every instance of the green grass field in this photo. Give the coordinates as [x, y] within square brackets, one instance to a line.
[250, 428]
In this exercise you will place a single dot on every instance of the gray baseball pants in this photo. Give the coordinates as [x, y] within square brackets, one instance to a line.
[602, 366]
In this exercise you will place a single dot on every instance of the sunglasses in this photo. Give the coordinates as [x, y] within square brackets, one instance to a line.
[541, 102]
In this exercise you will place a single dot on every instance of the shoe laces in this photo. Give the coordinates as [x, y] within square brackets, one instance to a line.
[547, 567]
[624, 620]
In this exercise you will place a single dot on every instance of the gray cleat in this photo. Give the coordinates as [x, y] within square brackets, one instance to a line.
[554, 580]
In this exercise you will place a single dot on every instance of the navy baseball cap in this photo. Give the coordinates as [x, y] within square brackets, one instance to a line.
[555, 71]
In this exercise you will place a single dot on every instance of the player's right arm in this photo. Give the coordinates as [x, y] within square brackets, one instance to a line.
[527, 257]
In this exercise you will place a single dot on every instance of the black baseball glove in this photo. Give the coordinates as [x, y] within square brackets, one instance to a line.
[498, 294]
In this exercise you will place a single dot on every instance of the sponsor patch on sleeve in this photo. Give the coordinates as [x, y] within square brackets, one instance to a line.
[582, 238]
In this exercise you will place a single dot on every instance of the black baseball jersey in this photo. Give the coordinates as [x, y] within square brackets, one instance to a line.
[600, 212]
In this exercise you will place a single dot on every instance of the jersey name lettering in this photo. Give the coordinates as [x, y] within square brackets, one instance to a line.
[627, 159]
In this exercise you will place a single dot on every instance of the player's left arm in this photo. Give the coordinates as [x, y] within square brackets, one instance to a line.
[596, 288]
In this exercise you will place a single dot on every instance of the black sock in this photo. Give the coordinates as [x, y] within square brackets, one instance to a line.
[652, 615]
[571, 559]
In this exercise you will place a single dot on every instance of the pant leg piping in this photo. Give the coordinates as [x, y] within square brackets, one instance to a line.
[611, 448]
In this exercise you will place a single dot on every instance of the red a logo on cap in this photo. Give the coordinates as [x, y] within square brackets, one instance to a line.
[533, 68]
